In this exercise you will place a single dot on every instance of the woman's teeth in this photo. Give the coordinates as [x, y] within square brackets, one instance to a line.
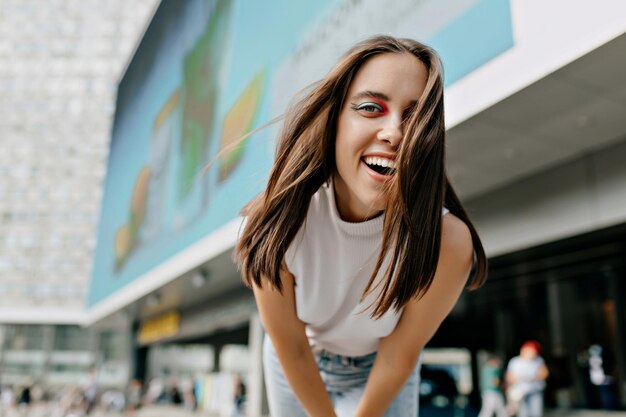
[382, 166]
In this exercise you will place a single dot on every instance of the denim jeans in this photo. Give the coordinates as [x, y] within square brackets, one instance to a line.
[531, 405]
[344, 378]
[493, 403]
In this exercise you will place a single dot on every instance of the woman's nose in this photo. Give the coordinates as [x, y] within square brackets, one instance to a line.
[391, 132]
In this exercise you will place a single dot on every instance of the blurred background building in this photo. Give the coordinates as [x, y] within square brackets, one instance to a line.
[60, 62]
[535, 104]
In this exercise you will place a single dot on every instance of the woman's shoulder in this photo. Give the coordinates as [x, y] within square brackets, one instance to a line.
[310, 229]
[320, 202]
[456, 239]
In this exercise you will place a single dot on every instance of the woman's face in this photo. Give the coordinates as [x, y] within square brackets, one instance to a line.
[380, 99]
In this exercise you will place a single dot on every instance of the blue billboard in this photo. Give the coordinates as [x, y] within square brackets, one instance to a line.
[209, 71]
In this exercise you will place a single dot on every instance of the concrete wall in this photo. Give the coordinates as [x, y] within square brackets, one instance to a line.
[583, 195]
[547, 36]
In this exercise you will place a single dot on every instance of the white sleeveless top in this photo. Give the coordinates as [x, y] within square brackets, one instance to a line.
[332, 261]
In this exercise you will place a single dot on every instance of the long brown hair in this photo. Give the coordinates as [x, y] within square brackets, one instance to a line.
[305, 159]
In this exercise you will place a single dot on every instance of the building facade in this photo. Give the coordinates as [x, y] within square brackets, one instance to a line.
[60, 62]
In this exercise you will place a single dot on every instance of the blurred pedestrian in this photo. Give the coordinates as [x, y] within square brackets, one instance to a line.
[173, 392]
[113, 400]
[189, 396]
[133, 396]
[526, 376]
[155, 392]
[24, 398]
[239, 396]
[604, 390]
[90, 391]
[491, 389]
[358, 247]
[71, 399]
[7, 397]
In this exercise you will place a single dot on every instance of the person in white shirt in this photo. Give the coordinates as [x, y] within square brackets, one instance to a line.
[7, 397]
[358, 247]
[526, 376]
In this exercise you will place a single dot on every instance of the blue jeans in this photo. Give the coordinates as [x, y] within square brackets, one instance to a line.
[344, 378]
[531, 405]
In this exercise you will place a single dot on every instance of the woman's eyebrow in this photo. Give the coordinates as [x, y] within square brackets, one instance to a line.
[366, 94]
[375, 94]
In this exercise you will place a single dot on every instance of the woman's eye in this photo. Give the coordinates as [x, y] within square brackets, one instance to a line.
[368, 107]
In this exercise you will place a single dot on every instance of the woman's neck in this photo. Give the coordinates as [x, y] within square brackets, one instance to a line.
[350, 209]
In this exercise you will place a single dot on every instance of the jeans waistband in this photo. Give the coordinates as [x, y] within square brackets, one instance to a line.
[321, 353]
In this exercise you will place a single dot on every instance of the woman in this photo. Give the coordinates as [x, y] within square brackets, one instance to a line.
[353, 260]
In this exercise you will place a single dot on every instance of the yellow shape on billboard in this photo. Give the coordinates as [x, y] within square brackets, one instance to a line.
[239, 121]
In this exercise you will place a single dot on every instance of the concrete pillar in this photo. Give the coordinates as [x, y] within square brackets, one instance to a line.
[137, 354]
[502, 332]
[93, 342]
[615, 290]
[257, 401]
[47, 347]
[555, 314]
[3, 331]
[217, 352]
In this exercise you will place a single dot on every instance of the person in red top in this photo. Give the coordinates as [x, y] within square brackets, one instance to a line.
[526, 377]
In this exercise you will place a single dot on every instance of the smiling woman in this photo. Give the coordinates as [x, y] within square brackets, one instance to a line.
[358, 248]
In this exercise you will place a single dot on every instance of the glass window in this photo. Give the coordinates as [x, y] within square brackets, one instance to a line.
[24, 337]
[71, 338]
[21, 369]
[113, 346]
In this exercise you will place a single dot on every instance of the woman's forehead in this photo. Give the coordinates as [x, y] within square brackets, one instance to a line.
[398, 76]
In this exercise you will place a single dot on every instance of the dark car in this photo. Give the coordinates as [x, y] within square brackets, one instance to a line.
[439, 396]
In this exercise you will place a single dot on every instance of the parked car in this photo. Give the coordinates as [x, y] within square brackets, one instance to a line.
[439, 395]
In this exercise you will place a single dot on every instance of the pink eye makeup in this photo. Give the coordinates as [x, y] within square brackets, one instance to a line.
[372, 107]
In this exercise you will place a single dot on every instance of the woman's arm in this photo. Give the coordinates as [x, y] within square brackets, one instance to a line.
[287, 332]
[398, 353]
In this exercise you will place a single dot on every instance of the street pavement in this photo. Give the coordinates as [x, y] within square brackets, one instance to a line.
[165, 411]
[46, 410]
[584, 413]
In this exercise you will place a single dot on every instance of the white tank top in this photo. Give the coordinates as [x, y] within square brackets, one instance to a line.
[332, 261]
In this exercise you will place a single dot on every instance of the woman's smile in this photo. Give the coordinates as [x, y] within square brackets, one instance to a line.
[383, 167]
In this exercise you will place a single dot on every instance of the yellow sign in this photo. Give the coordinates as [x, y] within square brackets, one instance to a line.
[159, 327]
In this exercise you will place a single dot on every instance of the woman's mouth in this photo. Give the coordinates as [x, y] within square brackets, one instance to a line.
[382, 166]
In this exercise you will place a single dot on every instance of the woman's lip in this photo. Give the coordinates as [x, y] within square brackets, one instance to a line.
[375, 175]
